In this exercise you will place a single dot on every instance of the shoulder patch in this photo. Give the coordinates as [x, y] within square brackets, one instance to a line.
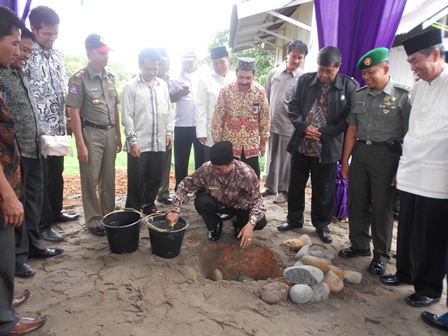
[80, 73]
[110, 74]
[403, 87]
[362, 88]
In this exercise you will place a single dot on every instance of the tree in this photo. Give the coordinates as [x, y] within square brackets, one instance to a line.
[74, 63]
[265, 59]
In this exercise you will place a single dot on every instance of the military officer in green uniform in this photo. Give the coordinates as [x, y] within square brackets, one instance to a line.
[378, 121]
[93, 101]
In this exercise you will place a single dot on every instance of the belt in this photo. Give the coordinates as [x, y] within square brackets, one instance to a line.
[372, 143]
[103, 127]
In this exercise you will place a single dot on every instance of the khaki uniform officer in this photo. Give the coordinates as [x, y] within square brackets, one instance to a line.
[93, 103]
[378, 121]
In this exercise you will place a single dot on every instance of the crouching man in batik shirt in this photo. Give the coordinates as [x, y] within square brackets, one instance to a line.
[232, 188]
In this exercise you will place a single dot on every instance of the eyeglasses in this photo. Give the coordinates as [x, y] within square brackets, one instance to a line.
[220, 170]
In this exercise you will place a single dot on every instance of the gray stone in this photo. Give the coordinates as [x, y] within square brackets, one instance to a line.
[305, 250]
[317, 251]
[307, 275]
[320, 292]
[300, 293]
[274, 292]
[298, 263]
[216, 275]
[352, 277]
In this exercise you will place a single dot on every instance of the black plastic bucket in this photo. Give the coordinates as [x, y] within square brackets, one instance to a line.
[122, 230]
[165, 242]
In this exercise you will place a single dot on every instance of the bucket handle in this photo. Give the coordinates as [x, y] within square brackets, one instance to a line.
[125, 209]
[158, 213]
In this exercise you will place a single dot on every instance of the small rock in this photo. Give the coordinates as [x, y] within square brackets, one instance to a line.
[305, 250]
[293, 243]
[298, 263]
[317, 251]
[353, 277]
[245, 279]
[307, 275]
[306, 240]
[335, 284]
[216, 275]
[320, 263]
[320, 292]
[337, 271]
[300, 293]
[274, 292]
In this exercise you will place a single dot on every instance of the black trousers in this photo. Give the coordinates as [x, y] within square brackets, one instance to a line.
[252, 162]
[323, 180]
[53, 167]
[209, 208]
[27, 237]
[144, 177]
[8, 317]
[422, 243]
[184, 138]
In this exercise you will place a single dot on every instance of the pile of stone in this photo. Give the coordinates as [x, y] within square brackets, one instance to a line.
[312, 277]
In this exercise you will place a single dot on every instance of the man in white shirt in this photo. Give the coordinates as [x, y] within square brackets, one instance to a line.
[148, 126]
[208, 91]
[183, 89]
[422, 176]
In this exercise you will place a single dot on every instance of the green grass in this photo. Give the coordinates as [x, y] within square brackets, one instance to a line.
[71, 164]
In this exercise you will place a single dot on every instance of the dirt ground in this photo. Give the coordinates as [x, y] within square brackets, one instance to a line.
[90, 291]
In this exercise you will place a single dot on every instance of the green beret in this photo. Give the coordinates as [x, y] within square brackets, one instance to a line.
[372, 58]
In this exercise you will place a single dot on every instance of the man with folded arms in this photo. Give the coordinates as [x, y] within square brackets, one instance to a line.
[232, 188]
[11, 210]
[422, 176]
[378, 122]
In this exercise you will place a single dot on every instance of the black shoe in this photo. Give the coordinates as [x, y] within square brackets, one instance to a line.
[265, 192]
[23, 270]
[392, 280]
[433, 320]
[216, 233]
[98, 231]
[377, 267]
[51, 235]
[48, 253]
[350, 252]
[325, 236]
[417, 300]
[288, 226]
[166, 200]
[65, 217]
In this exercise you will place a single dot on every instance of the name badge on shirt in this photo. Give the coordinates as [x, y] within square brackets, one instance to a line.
[255, 108]
[93, 90]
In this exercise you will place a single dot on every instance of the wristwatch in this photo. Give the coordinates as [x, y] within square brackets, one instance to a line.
[252, 221]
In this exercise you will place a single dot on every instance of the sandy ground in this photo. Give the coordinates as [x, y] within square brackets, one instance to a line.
[90, 291]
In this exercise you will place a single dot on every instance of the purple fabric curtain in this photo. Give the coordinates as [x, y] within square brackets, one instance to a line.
[14, 6]
[357, 26]
[11, 4]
